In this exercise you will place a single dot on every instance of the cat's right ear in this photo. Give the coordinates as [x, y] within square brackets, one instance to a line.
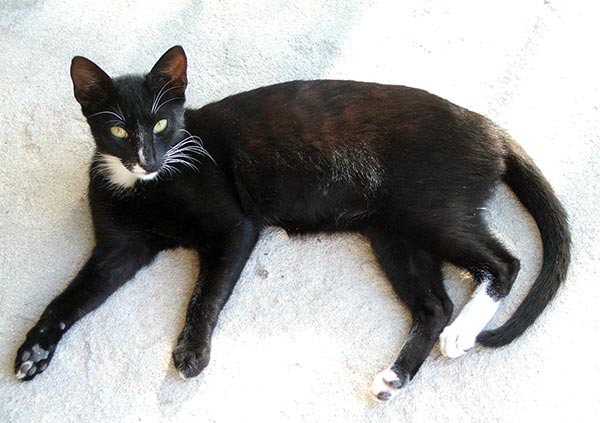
[171, 68]
[92, 86]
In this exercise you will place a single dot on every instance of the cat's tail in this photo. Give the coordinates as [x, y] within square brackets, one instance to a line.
[536, 194]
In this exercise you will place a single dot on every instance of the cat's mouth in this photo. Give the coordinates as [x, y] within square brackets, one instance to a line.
[142, 173]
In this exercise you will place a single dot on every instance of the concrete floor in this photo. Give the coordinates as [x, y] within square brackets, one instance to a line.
[312, 319]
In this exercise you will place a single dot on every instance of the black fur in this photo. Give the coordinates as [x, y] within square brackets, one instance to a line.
[409, 170]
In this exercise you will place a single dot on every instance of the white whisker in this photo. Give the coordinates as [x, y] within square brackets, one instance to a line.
[185, 163]
[119, 112]
[198, 143]
[181, 143]
[196, 137]
[158, 96]
[168, 170]
[168, 101]
[107, 112]
[184, 153]
[192, 147]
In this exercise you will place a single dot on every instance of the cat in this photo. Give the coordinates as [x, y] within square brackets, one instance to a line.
[405, 168]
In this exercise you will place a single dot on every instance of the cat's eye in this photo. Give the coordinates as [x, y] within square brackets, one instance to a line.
[118, 132]
[160, 126]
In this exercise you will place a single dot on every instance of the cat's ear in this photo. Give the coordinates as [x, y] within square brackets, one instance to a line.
[92, 86]
[170, 69]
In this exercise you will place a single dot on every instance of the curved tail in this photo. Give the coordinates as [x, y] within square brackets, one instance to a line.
[536, 194]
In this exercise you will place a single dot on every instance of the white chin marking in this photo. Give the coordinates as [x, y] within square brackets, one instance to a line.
[140, 173]
[119, 175]
[459, 337]
[148, 176]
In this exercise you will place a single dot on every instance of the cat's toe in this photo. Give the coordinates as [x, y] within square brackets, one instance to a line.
[387, 383]
[32, 359]
[190, 361]
[456, 341]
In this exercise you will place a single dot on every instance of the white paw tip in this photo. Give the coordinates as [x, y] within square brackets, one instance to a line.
[453, 344]
[382, 388]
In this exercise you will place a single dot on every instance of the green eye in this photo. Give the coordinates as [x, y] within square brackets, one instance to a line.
[160, 126]
[118, 132]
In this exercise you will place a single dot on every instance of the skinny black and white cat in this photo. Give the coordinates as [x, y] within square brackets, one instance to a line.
[407, 169]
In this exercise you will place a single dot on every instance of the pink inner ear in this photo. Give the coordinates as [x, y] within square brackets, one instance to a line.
[177, 69]
[172, 66]
[88, 79]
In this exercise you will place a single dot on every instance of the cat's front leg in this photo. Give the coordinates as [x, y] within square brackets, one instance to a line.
[109, 267]
[221, 267]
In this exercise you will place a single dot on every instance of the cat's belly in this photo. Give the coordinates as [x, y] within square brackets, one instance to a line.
[299, 205]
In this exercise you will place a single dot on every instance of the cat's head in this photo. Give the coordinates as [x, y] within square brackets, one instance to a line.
[136, 120]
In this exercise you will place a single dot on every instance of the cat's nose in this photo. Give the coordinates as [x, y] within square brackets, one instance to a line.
[147, 157]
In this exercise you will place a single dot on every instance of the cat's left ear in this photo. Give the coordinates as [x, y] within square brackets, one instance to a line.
[170, 69]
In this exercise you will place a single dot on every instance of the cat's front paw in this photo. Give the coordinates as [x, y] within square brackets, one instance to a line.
[36, 352]
[190, 360]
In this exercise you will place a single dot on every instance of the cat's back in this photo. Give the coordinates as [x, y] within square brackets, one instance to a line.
[324, 104]
[321, 120]
[323, 115]
[324, 145]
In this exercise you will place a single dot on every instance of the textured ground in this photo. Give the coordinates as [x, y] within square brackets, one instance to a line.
[312, 320]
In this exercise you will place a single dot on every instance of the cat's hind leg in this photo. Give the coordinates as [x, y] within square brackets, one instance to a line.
[494, 270]
[417, 279]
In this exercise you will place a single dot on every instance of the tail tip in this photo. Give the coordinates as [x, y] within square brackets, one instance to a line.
[494, 338]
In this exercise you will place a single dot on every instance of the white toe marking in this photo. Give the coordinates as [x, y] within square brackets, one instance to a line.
[62, 326]
[23, 369]
[380, 384]
[460, 336]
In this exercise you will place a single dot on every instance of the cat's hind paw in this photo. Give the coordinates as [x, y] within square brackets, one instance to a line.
[387, 383]
[456, 341]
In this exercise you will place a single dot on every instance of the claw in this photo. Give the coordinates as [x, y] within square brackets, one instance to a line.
[25, 367]
[35, 354]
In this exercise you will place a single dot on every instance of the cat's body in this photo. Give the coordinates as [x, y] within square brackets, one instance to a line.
[317, 155]
[407, 169]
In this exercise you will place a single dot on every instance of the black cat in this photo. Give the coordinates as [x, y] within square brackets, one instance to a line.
[407, 169]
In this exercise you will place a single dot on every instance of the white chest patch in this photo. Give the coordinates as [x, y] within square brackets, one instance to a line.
[459, 337]
[117, 173]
